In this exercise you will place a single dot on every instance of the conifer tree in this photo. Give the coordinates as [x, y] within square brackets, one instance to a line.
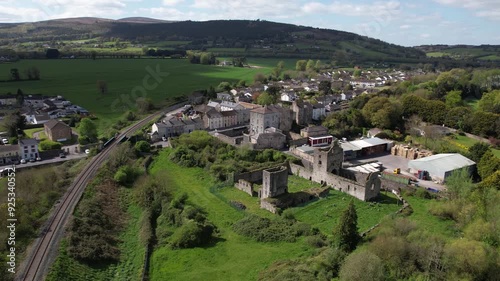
[346, 233]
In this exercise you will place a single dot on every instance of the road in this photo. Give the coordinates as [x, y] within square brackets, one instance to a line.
[44, 249]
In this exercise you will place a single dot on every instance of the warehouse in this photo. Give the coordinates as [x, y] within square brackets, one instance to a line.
[441, 166]
[371, 146]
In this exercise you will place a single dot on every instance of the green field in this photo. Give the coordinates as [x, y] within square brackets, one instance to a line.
[76, 81]
[30, 132]
[436, 54]
[490, 57]
[235, 257]
[426, 220]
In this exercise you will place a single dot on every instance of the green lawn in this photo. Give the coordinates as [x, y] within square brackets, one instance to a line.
[325, 212]
[436, 54]
[472, 102]
[76, 81]
[234, 257]
[426, 220]
[30, 132]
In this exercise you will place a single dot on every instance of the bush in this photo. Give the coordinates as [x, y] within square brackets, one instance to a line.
[192, 234]
[126, 175]
[142, 146]
[266, 230]
[83, 140]
[49, 145]
[315, 241]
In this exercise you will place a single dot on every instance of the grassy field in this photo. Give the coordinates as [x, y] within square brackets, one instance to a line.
[76, 80]
[128, 269]
[436, 54]
[426, 220]
[30, 132]
[235, 257]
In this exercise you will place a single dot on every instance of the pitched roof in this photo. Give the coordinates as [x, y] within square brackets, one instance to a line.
[54, 123]
[27, 142]
[9, 148]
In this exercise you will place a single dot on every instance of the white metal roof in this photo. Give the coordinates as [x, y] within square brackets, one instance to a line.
[439, 164]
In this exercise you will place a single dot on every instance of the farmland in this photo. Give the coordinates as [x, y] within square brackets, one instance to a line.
[75, 79]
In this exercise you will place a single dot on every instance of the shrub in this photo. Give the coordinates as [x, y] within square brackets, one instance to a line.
[192, 234]
[315, 241]
[266, 230]
[83, 140]
[142, 146]
[125, 175]
[49, 145]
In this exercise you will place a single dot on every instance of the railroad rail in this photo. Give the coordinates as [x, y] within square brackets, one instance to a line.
[39, 258]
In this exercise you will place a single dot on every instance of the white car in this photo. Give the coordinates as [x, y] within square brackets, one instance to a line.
[5, 141]
[23, 161]
[87, 151]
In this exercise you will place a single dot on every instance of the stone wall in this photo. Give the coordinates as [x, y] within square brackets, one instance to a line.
[364, 191]
[245, 186]
[264, 204]
[253, 176]
[274, 182]
[270, 140]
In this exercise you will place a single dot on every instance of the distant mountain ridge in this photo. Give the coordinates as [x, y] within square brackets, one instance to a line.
[246, 37]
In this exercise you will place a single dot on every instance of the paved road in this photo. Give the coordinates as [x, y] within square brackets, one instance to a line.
[47, 161]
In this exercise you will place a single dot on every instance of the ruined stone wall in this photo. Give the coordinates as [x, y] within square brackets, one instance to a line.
[274, 182]
[270, 140]
[264, 204]
[365, 191]
[244, 186]
[253, 176]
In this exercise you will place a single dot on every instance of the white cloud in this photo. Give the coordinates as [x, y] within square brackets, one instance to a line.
[425, 35]
[171, 2]
[374, 9]
[483, 8]
[405, 26]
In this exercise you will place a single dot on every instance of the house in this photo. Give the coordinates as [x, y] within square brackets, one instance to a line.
[213, 119]
[8, 100]
[225, 96]
[8, 154]
[28, 149]
[57, 131]
[318, 112]
[41, 118]
[288, 96]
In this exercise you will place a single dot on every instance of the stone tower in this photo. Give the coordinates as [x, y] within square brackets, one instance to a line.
[274, 182]
[329, 159]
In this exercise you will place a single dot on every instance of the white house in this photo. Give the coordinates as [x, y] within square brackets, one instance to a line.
[28, 149]
[319, 111]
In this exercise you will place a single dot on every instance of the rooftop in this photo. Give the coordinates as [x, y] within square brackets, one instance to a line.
[444, 161]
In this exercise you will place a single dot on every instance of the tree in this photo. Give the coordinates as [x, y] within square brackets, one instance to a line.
[362, 266]
[20, 97]
[490, 102]
[459, 184]
[467, 258]
[88, 130]
[93, 55]
[102, 86]
[488, 164]
[14, 123]
[266, 99]
[318, 65]
[52, 53]
[279, 69]
[144, 105]
[477, 150]
[301, 65]
[325, 87]
[310, 65]
[14, 74]
[142, 146]
[346, 233]
[454, 98]
[259, 77]
[224, 86]
[357, 73]
[204, 59]
[33, 73]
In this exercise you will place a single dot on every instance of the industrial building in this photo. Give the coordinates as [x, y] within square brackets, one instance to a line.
[441, 166]
[365, 147]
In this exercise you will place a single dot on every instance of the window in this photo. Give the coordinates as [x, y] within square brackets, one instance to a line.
[26, 151]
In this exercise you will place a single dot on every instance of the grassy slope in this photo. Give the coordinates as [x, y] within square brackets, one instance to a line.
[426, 220]
[234, 257]
[128, 269]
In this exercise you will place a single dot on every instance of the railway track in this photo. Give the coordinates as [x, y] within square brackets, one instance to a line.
[39, 258]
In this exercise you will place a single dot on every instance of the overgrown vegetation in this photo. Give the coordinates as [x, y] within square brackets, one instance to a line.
[199, 149]
[272, 230]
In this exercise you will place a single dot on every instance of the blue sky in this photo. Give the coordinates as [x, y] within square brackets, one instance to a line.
[407, 23]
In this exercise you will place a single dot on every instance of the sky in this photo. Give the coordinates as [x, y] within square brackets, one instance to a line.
[407, 23]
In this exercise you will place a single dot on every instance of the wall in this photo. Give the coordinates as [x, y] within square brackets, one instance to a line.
[274, 182]
[269, 140]
[253, 176]
[348, 186]
[264, 204]
[245, 186]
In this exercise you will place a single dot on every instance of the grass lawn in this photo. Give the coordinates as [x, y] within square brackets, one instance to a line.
[76, 81]
[472, 102]
[29, 132]
[426, 220]
[470, 142]
[234, 257]
[435, 54]
[128, 269]
[324, 213]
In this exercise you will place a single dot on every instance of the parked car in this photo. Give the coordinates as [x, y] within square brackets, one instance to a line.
[32, 160]
[23, 161]
[38, 159]
[5, 141]
[62, 155]
[87, 151]
[163, 138]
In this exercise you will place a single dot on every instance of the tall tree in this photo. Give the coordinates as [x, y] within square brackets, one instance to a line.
[346, 232]
[14, 74]
[20, 97]
[88, 129]
[362, 266]
[488, 165]
[301, 65]
[310, 65]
